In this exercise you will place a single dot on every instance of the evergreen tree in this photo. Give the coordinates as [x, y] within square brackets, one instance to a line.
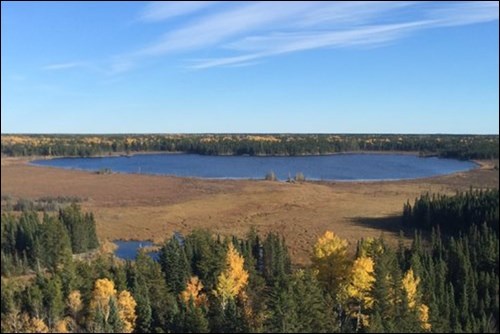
[174, 265]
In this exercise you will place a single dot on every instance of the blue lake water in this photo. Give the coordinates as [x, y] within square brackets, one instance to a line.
[341, 167]
[127, 250]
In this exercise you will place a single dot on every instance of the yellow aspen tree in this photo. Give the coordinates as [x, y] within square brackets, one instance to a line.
[192, 292]
[104, 289]
[359, 287]
[74, 303]
[330, 261]
[232, 280]
[126, 311]
[361, 282]
[410, 285]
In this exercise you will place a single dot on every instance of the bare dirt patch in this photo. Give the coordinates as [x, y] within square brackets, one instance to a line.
[153, 207]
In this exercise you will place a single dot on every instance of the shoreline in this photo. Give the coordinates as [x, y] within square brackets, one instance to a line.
[478, 164]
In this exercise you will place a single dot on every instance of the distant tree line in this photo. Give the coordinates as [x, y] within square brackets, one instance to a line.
[449, 146]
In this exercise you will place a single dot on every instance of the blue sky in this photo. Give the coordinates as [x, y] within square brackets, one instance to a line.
[209, 66]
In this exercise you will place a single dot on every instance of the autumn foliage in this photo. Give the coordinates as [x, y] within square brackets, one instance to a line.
[193, 292]
[233, 280]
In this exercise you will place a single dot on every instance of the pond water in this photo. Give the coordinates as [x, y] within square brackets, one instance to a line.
[127, 250]
[340, 167]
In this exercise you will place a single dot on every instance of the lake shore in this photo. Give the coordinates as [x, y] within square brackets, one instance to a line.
[338, 167]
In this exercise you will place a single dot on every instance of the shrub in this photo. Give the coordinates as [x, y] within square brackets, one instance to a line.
[103, 171]
[271, 176]
[299, 177]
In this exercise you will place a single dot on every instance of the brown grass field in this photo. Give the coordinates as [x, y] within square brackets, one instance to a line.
[153, 207]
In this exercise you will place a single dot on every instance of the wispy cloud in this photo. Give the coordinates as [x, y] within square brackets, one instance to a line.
[272, 44]
[159, 11]
[293, 42]
[245, 33]
[229, 23]
[466, 13]
[63, 66]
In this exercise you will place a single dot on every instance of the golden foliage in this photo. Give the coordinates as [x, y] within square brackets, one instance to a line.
[126, 310]
[192, 292]
[103, 290]
[361, 282]
[410, 285]
[62, 326]
[232, 280]
[330, 261]
[423, 315]
[75, 302]
[329, 244]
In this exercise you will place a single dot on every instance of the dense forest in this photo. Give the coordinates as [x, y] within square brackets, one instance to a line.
[454, 214]
[449, 146]
[208, 283]
[29, 242]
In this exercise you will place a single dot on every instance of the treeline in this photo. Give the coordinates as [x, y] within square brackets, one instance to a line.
[31, 243]
[454, 213]
[449, 146]
[206, 283]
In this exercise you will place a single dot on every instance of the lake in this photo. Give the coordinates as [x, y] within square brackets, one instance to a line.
[339, 167]
[127, 250]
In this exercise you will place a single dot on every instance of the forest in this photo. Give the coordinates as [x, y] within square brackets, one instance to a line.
[445, 281]
[448, 146]
[454, 214]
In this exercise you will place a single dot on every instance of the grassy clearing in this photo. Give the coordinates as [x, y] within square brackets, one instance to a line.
[153, 207]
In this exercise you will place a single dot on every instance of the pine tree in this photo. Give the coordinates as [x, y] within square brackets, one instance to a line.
[314, 314]
[283, 317]
[174, 265]
[114, 323]
[143, 309]
[53, 300]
